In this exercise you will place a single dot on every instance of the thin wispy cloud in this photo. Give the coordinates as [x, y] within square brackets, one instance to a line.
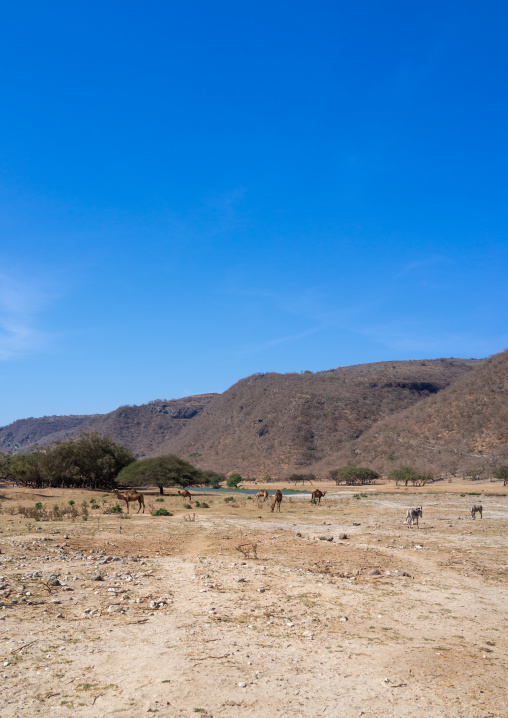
[262, 346]
[20, 303]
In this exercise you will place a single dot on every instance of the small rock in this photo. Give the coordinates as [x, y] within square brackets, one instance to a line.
[357, 525]
[114, 608]
[261, 590]
[241, 684]
[299, 534]
[374, 572]
[405, 573]
[241, 580]
[323, 538]
[344, 619]
[97, 576]
[343, 537]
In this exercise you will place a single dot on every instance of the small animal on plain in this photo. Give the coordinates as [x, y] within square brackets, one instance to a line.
[476, 509]
[185, 494]
[317, 495]
[413, 514]
[132, 495]
[277, 500]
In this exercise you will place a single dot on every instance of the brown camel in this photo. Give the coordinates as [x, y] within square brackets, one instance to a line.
[132, 495]
[277, 500]
[262, 495]
[185, 494]
[317, 495]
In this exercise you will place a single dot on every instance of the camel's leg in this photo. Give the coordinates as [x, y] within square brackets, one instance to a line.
[139, 509]
[127, 505]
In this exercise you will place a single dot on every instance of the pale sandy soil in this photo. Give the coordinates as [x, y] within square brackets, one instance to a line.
[263, 637]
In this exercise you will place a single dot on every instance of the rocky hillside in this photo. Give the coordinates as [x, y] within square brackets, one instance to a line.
[463, 428]
[141, 428]
[279, 423]
[24, 433]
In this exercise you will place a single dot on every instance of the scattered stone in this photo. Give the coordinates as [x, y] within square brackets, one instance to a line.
[323, 538]
[344, 619]
[241, 684]
[343, 537]
[241, 580]
[114, 608]
[374, 572]
[299, 534]
[405, 573]
[97, 576]
[357, 525]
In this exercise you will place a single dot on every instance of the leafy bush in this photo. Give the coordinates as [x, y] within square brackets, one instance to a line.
[197, 504]
[162, 512]
[234, 480]
[38, 505]
[116, 509]
[71, 502]
[228, 498]
[187, 506]
[354, 475]
[95, 506]
[204, 505]
[159, 500]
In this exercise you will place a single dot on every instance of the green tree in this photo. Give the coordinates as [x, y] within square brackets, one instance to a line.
[354, 475]
[27, 469]
[501, 473]
[163, 472]
[407, 474]
[91, 461]
[234, 480]
[214, 482]
[5, 466]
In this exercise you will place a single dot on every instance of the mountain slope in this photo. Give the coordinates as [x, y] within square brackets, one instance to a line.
[279, 423]
[463, 428]
[24, 433]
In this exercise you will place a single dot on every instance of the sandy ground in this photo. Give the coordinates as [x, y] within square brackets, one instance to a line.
[390, 621]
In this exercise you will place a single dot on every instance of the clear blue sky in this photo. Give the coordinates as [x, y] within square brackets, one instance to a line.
[193, 192]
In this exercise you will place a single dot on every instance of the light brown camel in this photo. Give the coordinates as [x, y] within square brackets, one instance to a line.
[185, 494]
[277, 500]
[317, 495]
[132, 495]
[262, 495]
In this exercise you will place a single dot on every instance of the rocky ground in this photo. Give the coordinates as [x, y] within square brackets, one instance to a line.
[234, 611]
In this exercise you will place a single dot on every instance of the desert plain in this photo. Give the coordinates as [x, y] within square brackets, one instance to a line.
[233, 610]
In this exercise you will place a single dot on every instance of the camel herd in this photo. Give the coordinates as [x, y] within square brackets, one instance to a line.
[413, 514]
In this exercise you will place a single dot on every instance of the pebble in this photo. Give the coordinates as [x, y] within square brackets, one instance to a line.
[344, 618]
[342, 537]
[375, 572]
[242, 684]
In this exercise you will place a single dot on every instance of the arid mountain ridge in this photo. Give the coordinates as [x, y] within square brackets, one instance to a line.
[441, 415]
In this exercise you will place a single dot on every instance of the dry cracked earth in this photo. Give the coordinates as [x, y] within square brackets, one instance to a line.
[244, 612]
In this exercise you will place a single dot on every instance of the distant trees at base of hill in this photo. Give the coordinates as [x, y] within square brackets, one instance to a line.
[163, 472]
[501, 473]
[92, 461]
[354, 475]
[408, 475]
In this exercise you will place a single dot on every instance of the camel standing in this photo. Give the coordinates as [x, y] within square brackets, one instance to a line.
[132, 495]
[277, 500]
[317, 495]
[262, 495]
[185, 494]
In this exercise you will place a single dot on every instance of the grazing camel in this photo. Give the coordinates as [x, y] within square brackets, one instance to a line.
[185, 494]
[277, 500]
[317, 495]
[262, 495]
[132, 495]
[476, 509]
[412, 515]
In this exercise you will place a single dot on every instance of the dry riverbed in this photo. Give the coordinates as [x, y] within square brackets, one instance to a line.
[241, 612]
